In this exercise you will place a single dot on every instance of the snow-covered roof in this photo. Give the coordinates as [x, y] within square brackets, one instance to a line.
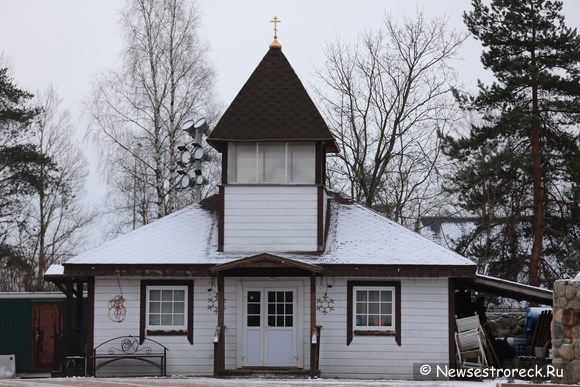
[182, 237]
[446, 231]
[361, 236]
[55, 270]
[516, 290]
[357, 235]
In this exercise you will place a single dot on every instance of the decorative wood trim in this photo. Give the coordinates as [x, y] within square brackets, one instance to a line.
[143, 307]
[221, 300]
[326, 223]
[265, 261]
[67, 320]
[350, 332]
[323, 179]
[375, 333]
[219, 347]
[320, 218]
[313, 324]
[79, 309]
[166, 333]
[451, 319]
[318, 164]
[398, 325]
[221, 218]
[90, 343]
[136, 270]
[266, 272]
[349, 327]
[207, 270]
[225, 164]
[190, 313]
[397, 271]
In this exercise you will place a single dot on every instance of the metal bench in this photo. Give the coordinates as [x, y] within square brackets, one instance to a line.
[128, 347]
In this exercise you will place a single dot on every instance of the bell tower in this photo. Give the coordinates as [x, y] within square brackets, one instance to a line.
[273, 142]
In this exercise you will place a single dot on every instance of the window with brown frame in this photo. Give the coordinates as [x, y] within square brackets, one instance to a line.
[166, 308]
[271, 163]
[373, 309]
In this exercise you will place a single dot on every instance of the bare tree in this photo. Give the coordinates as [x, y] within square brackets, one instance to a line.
[385, 97]
[51, 226]
[137, 112]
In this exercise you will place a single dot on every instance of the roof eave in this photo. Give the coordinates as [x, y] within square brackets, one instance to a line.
[377, 270]
[510, 289]
[134, 270]
[219, 143]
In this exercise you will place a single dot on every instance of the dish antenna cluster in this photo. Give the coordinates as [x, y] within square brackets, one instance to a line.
[190, 159]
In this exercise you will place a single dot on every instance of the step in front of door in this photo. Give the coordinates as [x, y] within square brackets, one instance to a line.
[267, 373]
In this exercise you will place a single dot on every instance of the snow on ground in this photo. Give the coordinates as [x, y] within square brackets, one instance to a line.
[214, 382]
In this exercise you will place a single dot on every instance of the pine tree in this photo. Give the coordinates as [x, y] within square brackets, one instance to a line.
[520, 168]
[21, 164]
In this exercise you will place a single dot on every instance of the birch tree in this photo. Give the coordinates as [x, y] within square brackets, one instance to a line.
[137, 111]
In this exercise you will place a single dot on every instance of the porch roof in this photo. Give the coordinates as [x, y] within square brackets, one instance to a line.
[267, 261]
[517, 291]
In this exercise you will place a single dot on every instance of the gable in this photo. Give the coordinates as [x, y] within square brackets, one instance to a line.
[268, 263]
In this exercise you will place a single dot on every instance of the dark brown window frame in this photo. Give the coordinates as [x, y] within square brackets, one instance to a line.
[143, 309]
[350, 331]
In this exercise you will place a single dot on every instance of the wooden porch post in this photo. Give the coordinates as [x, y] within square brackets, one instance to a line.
[451, 318]
[78, 329]
[67, 341]
[313, 346]
[90, 325]
[219, 346]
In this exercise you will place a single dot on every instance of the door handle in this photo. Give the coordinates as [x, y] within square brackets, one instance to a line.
[37, 335]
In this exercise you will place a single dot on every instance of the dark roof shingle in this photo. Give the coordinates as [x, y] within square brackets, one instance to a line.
[273, 105]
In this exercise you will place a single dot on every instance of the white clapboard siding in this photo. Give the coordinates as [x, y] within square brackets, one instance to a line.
[270, 218]
[424, 328]
[182, 357]
[424, 334]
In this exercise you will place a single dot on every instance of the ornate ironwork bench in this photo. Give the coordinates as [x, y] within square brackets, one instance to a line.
[128, 347]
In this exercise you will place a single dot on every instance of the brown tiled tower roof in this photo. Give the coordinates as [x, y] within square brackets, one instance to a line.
[273, 105]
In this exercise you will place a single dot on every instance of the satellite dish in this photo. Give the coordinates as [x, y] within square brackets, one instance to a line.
[188, 125]
[201, 125]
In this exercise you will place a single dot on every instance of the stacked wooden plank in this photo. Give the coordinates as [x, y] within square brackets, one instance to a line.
[541, 337]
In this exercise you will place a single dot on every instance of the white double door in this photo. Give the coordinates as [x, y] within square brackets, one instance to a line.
[270, 325]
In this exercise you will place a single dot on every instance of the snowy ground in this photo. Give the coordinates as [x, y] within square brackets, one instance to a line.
[212, 382]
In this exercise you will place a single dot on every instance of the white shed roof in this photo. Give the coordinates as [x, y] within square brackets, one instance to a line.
[357, 235]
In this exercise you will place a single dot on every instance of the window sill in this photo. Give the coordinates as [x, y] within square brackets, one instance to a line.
[374, 333]
[165, 333]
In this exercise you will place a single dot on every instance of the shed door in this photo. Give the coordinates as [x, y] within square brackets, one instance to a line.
[46, 334]
[270, 332]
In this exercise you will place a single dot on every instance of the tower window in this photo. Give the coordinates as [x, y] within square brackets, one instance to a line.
[271, 163]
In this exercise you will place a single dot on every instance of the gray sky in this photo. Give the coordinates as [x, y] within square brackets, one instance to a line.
[66, 42]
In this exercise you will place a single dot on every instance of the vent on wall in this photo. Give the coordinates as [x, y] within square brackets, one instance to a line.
[7, 366]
